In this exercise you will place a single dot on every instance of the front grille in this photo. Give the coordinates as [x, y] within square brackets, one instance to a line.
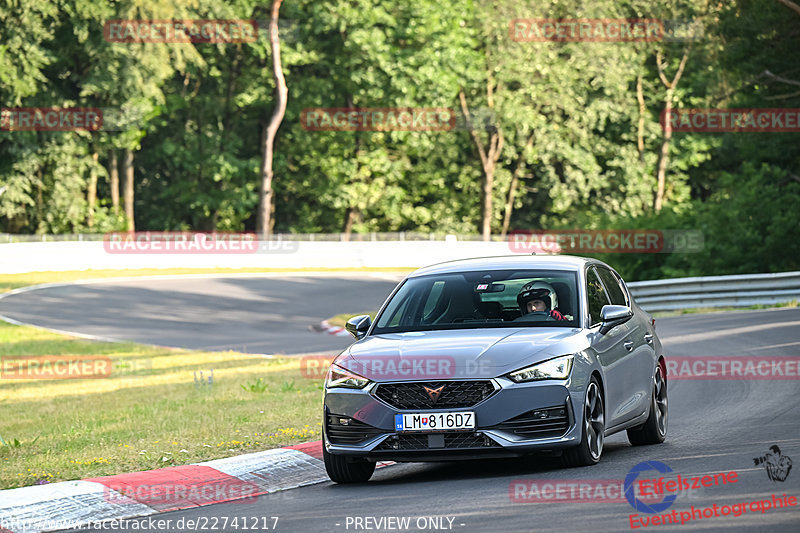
[538, 424]
[461, 440]
[453, 394]
[351, 432]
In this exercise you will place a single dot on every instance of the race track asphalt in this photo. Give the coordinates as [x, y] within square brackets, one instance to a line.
[259, 314]
[715, 425]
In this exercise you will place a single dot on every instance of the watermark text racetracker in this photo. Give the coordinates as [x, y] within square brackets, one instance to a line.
[69, 367]
[580, 241]
[579, 490]
[169, 495]
[757, 120]
[603, 30]
[378, 119]
[181, 31]
[386, 367]
[648, 491]
[733, 367]
[73, 118]
[193, 242]
[393, 367]
[51, 118]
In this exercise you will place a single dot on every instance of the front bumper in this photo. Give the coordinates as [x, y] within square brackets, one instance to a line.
[516, 419]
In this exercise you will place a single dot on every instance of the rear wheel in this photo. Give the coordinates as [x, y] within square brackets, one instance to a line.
[654, 430]
[344, 469]
[590, 449]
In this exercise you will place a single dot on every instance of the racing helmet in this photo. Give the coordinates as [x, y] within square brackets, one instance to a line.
[537, 290]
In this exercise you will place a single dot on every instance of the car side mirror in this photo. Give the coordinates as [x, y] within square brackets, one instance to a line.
[358, 326]
[612, 316]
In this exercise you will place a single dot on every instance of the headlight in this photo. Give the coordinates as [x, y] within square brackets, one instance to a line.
[557, 368]
[340, 377]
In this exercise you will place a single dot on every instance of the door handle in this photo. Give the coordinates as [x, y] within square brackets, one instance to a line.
[648, 339]
[628, 345]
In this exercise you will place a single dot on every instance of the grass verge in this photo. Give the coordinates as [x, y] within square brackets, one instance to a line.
[152, 411]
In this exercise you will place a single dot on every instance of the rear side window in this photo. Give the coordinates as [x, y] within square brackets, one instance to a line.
[596, 295]
[613, 289]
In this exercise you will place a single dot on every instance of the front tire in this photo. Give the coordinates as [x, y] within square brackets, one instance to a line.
[343, 469]
[588, 452]
[654, 430]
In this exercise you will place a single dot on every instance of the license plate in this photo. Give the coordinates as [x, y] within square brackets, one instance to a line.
[434, 421]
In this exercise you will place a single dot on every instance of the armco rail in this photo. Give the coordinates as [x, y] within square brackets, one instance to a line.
[716, 291]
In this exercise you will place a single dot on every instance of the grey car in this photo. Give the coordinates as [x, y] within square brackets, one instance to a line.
[495, 357]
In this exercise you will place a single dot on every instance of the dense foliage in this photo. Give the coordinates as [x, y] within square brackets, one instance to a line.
[578, 122]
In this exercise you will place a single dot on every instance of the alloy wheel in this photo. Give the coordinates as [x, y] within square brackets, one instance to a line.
[594, 420]
[660, 402]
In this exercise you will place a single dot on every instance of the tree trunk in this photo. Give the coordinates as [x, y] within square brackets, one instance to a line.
[227, 116]
[488, 204]
[91, 193]
[127, 195]
[272, 216]
[40, 224]
[663, 157]
[642, 111]
[512, 189]
[353, 216]
[353, 212]
[265, 211]
[488, 162]
[113, 178]
[791, 5]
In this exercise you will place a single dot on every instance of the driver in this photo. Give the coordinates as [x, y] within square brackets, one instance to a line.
[539, 296]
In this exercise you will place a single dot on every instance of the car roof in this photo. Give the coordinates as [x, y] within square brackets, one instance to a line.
[504, 262]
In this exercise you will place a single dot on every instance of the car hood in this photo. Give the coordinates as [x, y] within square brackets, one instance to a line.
[473, 353]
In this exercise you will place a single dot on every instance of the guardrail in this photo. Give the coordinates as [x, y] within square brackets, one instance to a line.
[657, 295]
[400, 236]
[717, 291]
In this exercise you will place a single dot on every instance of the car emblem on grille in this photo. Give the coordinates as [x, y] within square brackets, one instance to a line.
[433, 393]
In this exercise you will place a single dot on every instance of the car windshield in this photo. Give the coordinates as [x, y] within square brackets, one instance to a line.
[483, 299]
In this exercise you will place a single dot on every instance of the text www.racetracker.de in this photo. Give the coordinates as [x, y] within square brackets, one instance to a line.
[202, 523]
